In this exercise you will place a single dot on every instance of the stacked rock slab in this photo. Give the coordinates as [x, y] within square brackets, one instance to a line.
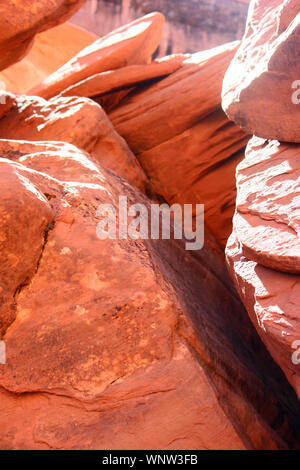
[119, 343]
[183, 140]
[264, 250]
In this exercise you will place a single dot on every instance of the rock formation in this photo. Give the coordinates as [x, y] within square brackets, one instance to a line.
[264, 75]
[19, 24]
[51, 49]
[191, 25]
[263, 251]
[132, 343]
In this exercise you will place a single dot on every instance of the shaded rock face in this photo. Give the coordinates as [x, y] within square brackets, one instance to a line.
[191, 25]
[20, 22]
[263, 78]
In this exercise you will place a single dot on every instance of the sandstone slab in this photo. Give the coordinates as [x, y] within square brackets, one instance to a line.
[125, 77]
[263, 78]
[21, 21]
[267, 219]
[273, 302]
[185, 143]
[131, 44]
[51, 49]
[129, 343]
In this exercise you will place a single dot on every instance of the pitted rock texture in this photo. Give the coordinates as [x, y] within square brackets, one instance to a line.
[260, 84]
[21, 20]
[267, 219]
[108, 348]
[132, 44]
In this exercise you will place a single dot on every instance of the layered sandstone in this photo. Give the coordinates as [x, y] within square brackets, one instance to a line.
[192, 158]
[51, 49]
[191, 25]
[132, 44]
[128, 343]
[78, 121]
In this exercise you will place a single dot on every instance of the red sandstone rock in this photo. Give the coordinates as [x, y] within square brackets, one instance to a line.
[7, 101]
[21, 21]
[190, 94]
[273, 303]
[131, 44]
[100, 357]
[25, 215]
[184, 142]
[51, 49]
[124, 77]
[267, 220]
[78, 121]
[257, 90]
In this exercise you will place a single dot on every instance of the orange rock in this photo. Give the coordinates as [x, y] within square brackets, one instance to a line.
[128, 343]
[25, 216]
[7, 101]
[267, 219]
[272, 300]
[124, 77]
[263, 79]
[190, 94]
[51, 49]
[131, 44]
[78, 121]
[185, 143]
[21, 21]
[198, 166]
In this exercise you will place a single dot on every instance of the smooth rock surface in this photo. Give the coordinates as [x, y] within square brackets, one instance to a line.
[51, 49]
[132, 44]
[258, 86]
[78, 121]
[21, 20]
[267, 219]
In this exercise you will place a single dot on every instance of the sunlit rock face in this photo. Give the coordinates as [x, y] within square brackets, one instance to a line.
[191, 25]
